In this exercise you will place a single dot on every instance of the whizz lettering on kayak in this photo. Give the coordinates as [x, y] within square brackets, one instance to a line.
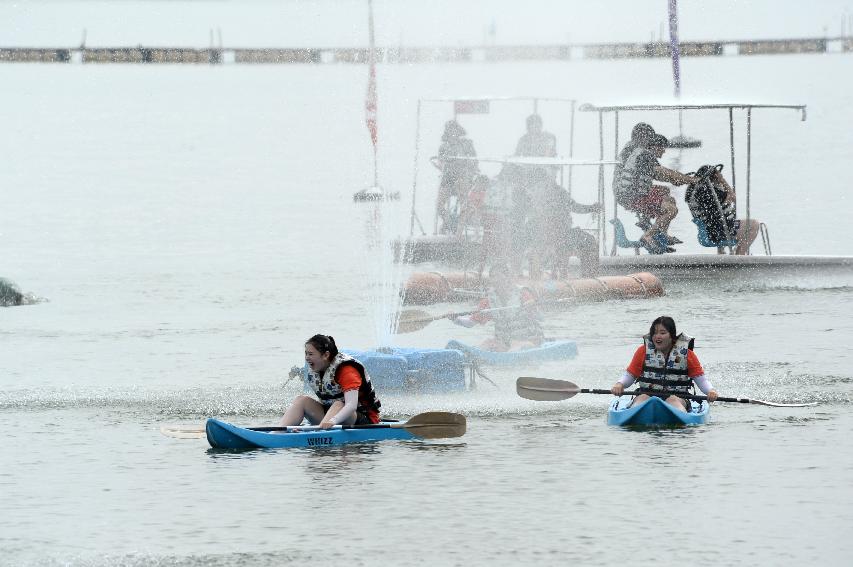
[320, 441]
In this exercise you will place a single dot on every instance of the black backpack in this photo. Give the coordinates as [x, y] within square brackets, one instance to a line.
[706, 199]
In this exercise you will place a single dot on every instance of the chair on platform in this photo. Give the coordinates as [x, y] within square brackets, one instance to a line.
[705, 239]
[621, 240]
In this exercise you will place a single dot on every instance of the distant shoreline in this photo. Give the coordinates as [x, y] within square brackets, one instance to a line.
[410, 55]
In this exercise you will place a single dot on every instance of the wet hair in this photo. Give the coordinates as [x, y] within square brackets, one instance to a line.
[642, 133]
[667, 323]
[323, 344]
[658, 141]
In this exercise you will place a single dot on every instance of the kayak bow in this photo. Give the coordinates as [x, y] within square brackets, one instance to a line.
[654, 412]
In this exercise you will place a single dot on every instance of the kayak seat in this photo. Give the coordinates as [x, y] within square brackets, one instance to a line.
[705, 239]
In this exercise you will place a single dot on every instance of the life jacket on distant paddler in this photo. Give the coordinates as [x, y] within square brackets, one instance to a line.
[667, 373]
[328, 390]
[519, 322]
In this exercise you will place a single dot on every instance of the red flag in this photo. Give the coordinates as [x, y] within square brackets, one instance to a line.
[370, 103]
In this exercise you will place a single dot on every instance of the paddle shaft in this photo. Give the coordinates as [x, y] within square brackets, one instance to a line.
[318, 428]
[407, 325]
[667, 393]
[428, 425]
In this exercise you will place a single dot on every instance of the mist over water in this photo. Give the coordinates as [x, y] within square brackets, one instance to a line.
[183, 230]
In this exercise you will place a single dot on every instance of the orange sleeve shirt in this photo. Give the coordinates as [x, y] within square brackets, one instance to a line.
[349, 378]
[635, 368]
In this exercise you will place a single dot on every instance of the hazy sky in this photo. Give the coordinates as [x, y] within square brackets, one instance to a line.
[320, 23]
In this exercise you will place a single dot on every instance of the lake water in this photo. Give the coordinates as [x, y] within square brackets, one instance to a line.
[188, 227]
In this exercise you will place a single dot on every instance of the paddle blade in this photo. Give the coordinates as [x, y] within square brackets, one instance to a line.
[545, 389]
[781, 405]
[435, 425]
[183, 432]
[413, 320]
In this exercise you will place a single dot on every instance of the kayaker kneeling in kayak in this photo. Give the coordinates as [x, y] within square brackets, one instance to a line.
[513, 310]
[342, 385]
[665, 361]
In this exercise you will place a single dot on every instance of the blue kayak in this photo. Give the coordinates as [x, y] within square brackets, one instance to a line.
[223, 435]
[654, 412]
[549, 350]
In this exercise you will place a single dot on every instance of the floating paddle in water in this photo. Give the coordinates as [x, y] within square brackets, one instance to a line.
[545, 389]
[428, 425]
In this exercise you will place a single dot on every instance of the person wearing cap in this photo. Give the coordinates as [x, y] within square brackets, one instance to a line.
[633, 185]
[456, 174]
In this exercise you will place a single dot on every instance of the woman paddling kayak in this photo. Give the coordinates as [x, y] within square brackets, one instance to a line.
[342, 385]
[513, 310]
[665, 361]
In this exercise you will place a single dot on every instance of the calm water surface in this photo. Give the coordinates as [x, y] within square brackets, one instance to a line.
[188, 228]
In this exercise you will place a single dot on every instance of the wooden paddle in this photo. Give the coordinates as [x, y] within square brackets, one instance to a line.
[545, 389]
[428, 425]
[412, 320]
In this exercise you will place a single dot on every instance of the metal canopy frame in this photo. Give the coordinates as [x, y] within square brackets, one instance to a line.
[534, 100]
[730, 107]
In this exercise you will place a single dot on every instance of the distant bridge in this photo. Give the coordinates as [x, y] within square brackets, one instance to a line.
[409, 55]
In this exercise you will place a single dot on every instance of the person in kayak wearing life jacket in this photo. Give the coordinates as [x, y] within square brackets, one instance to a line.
[513, 310]
[342, 385]
[665, 362]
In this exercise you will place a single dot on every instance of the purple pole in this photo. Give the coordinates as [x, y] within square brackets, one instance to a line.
[673, 46]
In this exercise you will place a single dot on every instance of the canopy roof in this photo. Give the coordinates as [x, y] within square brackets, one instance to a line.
[537, 161]
[588, 107]
[489, 98]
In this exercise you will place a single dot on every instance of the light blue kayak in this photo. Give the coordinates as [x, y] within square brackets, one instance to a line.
[549, 350]
[654, 412]
[223, 435]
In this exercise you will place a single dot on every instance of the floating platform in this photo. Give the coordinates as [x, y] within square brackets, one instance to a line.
[710, 266]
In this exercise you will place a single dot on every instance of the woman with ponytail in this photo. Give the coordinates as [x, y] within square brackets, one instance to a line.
[344, 393]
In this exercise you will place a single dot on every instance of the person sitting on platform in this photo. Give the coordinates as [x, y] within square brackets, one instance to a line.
[712, 200]
[513, 310]
[634, 189]
[552, 233]
[536, 142]
[456, 174]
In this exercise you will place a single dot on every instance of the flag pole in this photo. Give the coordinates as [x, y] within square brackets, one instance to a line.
[370, 106]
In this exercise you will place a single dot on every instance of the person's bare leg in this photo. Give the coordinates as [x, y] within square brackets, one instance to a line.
[638, 399]
[333, 411]
[301, 408]
[668, 211]
[743, 243]
[679, 403]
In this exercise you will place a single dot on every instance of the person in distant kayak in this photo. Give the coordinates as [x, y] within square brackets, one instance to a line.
[342, 385]
[665, 362]
[513, 310]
